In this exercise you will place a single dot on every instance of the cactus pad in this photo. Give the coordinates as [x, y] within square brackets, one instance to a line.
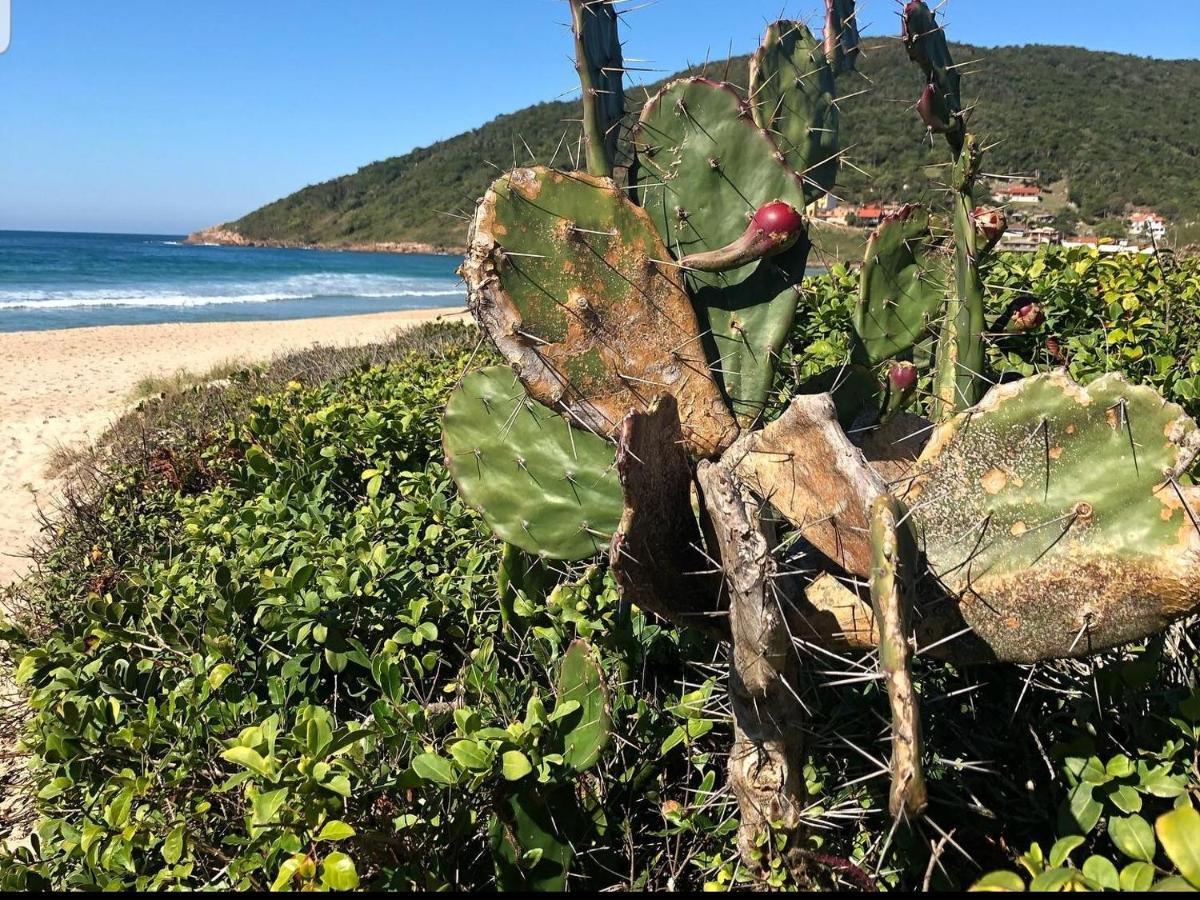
[903, 285]
[704, 167]
[1054, 514]
[793, 90]
[562, 275]
[600, 66]
[804, 465]
[586, 732]
[656, 553]
[542, 485]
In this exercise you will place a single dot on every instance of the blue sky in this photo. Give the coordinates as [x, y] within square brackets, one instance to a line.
[165, 116]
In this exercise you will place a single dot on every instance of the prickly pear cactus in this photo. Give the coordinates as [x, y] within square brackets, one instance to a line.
[574, 287]
[586, 732]
[793, 90]
[598, 60]
[704, 169]
[540, 484]
[1055, 514]
[903, 285]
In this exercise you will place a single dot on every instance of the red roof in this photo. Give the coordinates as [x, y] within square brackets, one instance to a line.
[870, 212]
[1021, 190]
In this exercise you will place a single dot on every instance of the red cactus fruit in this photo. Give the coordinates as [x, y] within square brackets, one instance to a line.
[774, 228]
[1027, 317]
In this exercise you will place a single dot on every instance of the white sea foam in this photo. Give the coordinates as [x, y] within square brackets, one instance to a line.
[297, 287]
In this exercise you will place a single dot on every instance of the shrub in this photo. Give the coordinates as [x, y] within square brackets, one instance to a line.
[265, 649]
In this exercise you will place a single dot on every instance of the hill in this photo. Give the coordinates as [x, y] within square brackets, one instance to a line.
[1118, 130]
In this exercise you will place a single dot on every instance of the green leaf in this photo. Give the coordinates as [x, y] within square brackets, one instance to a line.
[335, 830]
[1119, 767]
[1102, 872]
[515, 765]
[248, 757]
[219, 673]
[434, 768]
[470, 755]
[1083, 809]
[999, 882]
[337, 872]
[1052, 880]
[1175, 884]
[267, 805]
[116, 814]
[1137, 877]
[1179, 831]
[1126, 799]
[1063, 848]
[1133, 836]
[172, 847]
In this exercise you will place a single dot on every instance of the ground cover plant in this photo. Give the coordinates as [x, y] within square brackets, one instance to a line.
[270, 645]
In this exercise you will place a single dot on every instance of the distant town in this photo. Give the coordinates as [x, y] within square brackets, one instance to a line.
[1031, 224]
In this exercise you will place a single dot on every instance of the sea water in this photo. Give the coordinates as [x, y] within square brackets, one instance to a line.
[57, 280]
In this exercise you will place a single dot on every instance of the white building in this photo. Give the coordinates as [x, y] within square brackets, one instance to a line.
[1148, 223]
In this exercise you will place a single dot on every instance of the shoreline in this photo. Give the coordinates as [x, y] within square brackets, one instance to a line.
[223, 236]
[63, 387]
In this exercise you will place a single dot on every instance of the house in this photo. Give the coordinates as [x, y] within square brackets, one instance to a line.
[826, 204]
[1018, 193]
[869, 216]
[1081, 240]
[1150, 224]
[1028, 240]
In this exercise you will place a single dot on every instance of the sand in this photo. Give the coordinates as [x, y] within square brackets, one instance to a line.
[62, 389]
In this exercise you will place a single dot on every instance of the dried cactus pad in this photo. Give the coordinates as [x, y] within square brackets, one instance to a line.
[704, 167]
[1054, 512]
[563, 274]
[542, 485]
[903, 285]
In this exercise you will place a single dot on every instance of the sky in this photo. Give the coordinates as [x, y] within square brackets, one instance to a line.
[161, 116]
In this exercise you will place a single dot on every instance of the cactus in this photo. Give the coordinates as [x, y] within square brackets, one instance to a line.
[540, 484]
[958, 370]
[583, 734]
[893, 560]
[902, 287]
[804, 465]
[793, 88]
[1050, 518]
[600, 65]
[1053, 513]
[656, 555]
[570, 281]
[704, 169]
[523, 577]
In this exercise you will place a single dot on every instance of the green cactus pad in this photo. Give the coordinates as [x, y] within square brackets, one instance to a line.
[562, 275]
[542, 485]
[704, 167]
[531, 836]
[903, 285]
[586, 732]
[841, 35]
[1054, 514]
[793, 91]
[926, 43]
[600, 66]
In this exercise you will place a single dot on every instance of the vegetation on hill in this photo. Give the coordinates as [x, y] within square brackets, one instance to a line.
[1063, 112]
[264, 649]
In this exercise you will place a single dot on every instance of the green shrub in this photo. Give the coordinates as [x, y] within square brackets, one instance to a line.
[265, 649]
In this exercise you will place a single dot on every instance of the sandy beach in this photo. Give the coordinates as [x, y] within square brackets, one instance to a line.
[62, 388]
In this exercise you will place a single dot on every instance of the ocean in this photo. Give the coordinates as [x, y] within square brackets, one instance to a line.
[57, 280]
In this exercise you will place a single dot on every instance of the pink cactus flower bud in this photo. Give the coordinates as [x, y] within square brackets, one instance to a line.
[1028, 316]
[903, 376]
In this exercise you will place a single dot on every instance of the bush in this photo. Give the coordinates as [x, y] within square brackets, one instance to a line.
[265, 650]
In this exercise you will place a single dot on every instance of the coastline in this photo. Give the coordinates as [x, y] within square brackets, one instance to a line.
[223, 236]
[62, 388]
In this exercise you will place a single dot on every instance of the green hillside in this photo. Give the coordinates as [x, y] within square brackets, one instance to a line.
[1121, 129]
